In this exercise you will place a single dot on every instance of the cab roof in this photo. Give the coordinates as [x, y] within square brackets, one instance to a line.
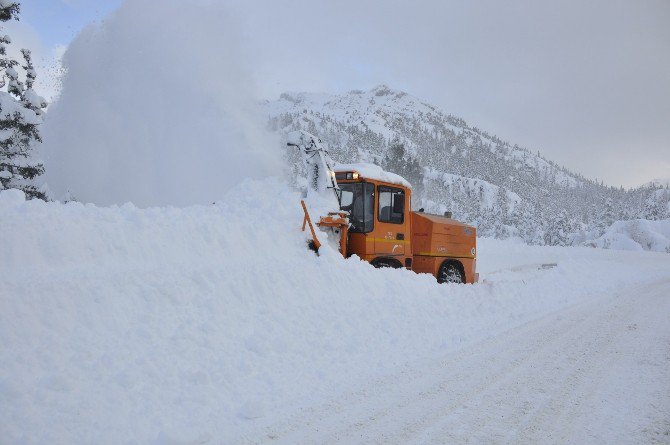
[372, 171]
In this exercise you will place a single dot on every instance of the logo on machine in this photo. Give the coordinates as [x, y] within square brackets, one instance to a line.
[467, 231]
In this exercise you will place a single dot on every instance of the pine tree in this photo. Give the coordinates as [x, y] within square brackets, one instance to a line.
[607, 216]
[20, 116]
[397, 160]
[654, 207]
[560, 229]
[502, 214]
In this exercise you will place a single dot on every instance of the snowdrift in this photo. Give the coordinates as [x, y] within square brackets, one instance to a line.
[637, 234]
[208, 323]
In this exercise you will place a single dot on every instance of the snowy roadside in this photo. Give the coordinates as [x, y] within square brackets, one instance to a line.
[203, 324]
[594, 372]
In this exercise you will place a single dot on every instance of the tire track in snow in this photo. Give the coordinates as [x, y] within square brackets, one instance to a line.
[565, 371]
[548, 337]
[525, 385]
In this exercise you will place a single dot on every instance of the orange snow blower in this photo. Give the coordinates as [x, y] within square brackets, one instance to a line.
[375, 222]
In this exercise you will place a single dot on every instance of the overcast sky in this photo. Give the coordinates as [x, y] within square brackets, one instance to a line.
[585, 83]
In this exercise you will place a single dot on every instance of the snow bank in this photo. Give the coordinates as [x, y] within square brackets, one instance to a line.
[157, 108]
[207, 323]
[637, 234]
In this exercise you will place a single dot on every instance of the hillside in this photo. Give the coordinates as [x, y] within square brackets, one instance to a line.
[504, 189]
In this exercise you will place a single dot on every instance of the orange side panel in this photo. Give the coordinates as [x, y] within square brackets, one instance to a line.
[360, 244]
[437, 238]
[435, 235]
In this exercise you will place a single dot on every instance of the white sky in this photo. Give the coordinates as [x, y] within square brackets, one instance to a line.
[585, 83]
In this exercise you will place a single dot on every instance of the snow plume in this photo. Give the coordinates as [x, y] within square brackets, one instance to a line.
[157, 108]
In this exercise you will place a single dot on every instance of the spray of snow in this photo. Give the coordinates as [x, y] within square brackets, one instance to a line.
[156, 108]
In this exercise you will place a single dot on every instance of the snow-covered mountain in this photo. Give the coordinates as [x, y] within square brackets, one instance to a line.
[504, 189]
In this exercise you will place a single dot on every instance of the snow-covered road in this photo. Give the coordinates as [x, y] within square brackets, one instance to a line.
[596, 372]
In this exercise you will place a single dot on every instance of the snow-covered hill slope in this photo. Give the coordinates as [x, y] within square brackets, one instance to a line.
[208, 323]
[552, 203]
[382, 114]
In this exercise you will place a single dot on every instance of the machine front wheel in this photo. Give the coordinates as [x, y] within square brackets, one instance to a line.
[386, 262]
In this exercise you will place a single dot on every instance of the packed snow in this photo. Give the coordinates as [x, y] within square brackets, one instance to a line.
[208, 324]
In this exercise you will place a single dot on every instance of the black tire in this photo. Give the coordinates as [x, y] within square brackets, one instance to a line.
[386, 262]
[450, 273]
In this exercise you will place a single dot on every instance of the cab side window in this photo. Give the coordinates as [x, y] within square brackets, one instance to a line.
[391, 205]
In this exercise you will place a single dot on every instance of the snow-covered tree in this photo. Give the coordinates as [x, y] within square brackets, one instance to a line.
[655, 206]
[607, 216]
[561, 227]
[502, 214]
[398, 161]
[20, 115]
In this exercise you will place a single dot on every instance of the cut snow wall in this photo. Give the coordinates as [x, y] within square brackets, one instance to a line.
[208, 324]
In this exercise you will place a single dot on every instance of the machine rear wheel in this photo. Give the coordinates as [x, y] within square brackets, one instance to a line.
[450, 273]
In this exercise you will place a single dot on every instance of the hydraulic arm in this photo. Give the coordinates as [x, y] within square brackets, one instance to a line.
[321, 180]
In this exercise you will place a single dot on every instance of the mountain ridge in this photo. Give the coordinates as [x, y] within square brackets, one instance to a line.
[465, 169]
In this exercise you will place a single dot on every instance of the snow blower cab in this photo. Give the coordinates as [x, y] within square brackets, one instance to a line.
[374, 221]
[378, 204]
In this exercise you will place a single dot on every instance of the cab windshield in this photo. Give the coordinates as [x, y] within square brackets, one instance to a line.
[358, 199]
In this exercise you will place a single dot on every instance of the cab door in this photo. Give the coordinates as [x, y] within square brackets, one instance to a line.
[391, 233]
